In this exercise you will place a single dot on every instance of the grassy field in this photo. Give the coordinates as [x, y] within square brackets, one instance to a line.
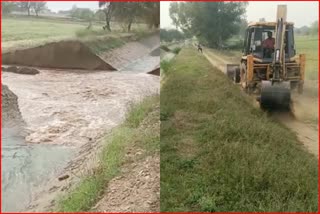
[133, 133]
[309, 45]
[26, 32]
[219, 153]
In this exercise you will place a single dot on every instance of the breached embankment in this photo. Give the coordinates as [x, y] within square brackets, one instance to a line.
[63, 54]
[11, 115]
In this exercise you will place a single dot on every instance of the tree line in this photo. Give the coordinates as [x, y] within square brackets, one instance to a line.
[211, 22]
[130, 12]
[23, 6]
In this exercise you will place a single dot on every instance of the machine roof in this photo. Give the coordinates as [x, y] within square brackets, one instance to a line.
[271, 24]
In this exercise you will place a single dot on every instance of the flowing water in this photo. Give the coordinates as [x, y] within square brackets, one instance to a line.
[25, 167]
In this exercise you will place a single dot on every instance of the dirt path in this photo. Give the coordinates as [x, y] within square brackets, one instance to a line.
[302, 120]
[136, 190]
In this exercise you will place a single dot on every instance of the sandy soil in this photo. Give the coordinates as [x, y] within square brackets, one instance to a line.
[303, 117]
[136, 190]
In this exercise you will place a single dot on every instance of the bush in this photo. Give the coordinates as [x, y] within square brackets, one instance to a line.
[176, 50]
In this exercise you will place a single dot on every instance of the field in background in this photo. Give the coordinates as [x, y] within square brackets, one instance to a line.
[309, 45]
[26, 31]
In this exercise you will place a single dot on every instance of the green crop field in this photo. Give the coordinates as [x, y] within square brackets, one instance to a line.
[14, 29]
[24, 32]
[220, 153]
[309, 45]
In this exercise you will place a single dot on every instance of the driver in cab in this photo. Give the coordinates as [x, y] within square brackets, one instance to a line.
[268, 45]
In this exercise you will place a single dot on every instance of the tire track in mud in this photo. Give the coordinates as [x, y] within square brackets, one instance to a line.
[306, 132]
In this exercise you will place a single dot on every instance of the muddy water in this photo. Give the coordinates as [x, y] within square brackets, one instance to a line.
[142, 65]
[25, 167]
[63, 110]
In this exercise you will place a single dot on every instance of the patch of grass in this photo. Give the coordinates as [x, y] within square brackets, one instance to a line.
[219, 153]
[24, 32]
[138, 113]
[132, 133]
[90, 32]
[103, 44]
[165, 65]
[176, 50]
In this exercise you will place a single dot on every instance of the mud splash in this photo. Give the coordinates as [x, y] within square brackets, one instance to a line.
[63, 54]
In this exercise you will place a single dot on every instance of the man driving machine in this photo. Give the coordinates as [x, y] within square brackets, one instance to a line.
[268, 45]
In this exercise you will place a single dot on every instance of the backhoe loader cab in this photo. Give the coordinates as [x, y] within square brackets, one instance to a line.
[257, 33]
[270, 69]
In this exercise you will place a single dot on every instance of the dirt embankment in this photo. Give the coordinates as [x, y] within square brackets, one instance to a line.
[20, 70]
[155, 71]
[63, 54]
[11, 115]
[137, 188]
[132, 51]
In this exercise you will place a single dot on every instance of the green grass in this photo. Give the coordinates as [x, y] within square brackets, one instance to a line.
[14, 29]
[219, 153]
[176, 50]
[133, 133]
[309, 46]
[165, 65]
[103, 44]
[24, 32]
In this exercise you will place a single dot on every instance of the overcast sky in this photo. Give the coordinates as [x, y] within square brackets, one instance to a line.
[58, 5]
[301, 13]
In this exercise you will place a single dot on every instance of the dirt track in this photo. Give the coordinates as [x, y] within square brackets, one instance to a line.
[301, 120]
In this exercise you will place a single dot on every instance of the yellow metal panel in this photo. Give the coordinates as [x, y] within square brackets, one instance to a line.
[302, 61]
[282, 12]
[268, 71]
[269, 24]
[249, 68]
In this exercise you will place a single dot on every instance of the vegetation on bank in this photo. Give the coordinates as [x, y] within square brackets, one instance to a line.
[18, 33]
[131, 133]
[219, 153]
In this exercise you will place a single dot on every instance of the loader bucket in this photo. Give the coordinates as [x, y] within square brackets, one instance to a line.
[275, 95]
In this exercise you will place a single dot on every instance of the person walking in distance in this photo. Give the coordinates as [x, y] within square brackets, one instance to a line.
[199, 48]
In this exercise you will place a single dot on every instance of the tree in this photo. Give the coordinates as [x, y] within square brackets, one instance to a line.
[99, 15]
[7, 7]
[127, 12]
[171, 35]
[151, 13]
[24, 6]
[38, 6]
[212, 22]
[315, 27]
[108, 10]
[174, 13]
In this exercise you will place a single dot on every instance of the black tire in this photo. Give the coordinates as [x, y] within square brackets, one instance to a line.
[236, 75]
